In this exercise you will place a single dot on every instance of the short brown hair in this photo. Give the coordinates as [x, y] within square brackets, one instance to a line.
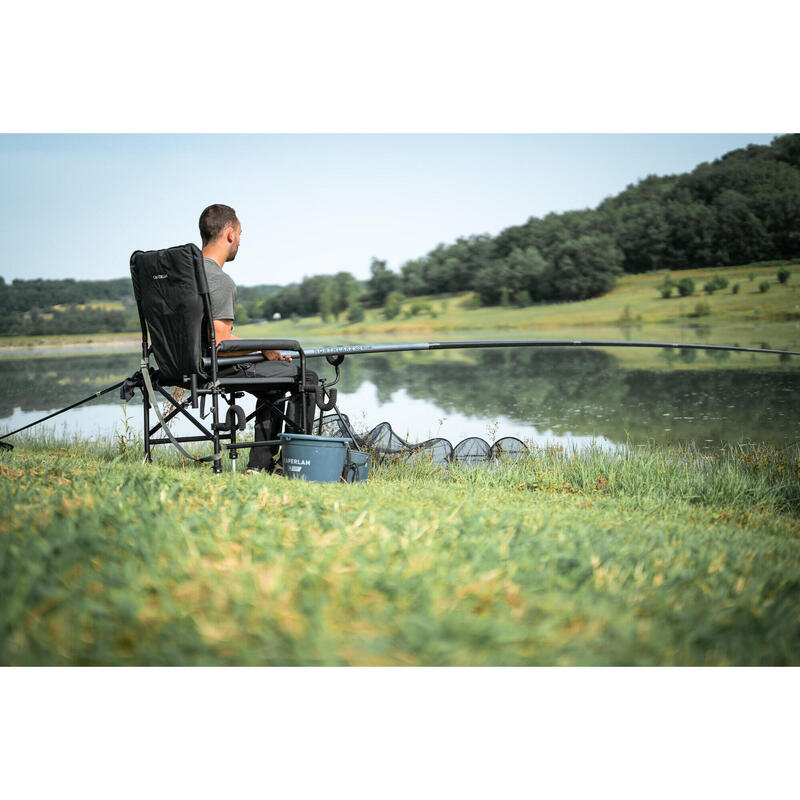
[214, 220]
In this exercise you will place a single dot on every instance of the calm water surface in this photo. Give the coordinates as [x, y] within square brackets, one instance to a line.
[566, 396]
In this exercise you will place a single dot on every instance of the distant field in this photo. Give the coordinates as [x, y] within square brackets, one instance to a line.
[118, 341]
[639, 293]
[107, 305]
[633, 310]
[661, 557]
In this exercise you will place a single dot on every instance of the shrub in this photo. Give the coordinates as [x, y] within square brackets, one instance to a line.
[735, 288]
[666, 287]
[393, 304]
[783, 275]
[355, 313]
[763, 287]
[522, 298]
[505, 295]
[717, 282]
[751, 276]
[418, 307]
[702, 309]
[685, 287]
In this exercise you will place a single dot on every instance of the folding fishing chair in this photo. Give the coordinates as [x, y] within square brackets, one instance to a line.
[177, 329]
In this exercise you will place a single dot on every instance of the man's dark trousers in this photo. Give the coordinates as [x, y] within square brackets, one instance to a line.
[268, 424]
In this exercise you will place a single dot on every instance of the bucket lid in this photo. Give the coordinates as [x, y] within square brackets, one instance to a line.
[304, 437]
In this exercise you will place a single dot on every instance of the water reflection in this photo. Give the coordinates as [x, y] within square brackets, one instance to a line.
[587, 393]
[537, 394]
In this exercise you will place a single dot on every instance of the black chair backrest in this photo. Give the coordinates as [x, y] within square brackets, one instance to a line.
[172, 295]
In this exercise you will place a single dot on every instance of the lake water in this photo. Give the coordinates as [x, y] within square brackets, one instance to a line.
[565, 396]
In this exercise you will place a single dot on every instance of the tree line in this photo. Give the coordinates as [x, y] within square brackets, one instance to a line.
[24, 295]
[741, 208]
[43, 306]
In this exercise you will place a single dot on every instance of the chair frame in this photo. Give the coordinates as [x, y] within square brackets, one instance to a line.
[221, 434]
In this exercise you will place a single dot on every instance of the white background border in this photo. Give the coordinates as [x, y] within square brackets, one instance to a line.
[384, 67]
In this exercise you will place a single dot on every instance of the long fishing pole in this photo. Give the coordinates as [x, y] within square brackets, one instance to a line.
[8, 446]
[359, 349]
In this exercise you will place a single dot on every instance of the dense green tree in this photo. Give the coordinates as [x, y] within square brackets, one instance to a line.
[490, 283]
[787, 148]
[641, 234]
[412, 277]
[346, 290]
[284, 302]
[529, 272]
[324, 301]
[328, 295]
[739, 235]
[690, 241]
[779, 213]
[381, 281]
[516, 237]
[585, 267]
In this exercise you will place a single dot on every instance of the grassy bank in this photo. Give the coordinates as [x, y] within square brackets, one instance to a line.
[654, 557]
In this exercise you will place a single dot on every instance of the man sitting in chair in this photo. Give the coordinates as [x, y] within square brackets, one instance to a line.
[220, 231]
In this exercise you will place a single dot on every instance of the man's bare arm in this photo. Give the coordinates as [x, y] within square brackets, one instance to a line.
[223, 331]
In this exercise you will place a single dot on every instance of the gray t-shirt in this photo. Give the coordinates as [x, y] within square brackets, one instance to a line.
[221, 290]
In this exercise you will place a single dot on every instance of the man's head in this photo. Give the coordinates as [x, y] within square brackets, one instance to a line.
[220, 228]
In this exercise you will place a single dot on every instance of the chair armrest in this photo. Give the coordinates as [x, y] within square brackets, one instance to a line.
[239, 345]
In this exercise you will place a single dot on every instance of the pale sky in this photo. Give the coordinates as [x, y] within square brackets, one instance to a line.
[78, 205]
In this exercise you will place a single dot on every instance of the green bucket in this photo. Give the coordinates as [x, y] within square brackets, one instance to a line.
[356, 467]
[313, 458]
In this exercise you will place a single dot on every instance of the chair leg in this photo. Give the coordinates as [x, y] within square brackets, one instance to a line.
[217, 461]
[234, 453]
[148, 456]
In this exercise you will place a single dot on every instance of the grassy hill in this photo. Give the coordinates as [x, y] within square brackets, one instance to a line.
[634, 309]
[638, 293]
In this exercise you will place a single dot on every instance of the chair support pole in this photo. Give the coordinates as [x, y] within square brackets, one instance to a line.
[233, 452]
[179, 409]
